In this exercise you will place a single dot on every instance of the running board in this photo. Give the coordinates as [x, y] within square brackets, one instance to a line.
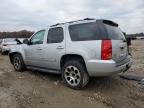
[44, 69]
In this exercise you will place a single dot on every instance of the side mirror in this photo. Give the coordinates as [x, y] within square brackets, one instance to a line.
[18, 41]
[25, 41]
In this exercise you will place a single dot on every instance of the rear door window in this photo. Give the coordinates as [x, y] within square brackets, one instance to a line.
[55, 35]
[85, 32]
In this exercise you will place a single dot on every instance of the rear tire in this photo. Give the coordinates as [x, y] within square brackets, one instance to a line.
[74, 74]
[18, 63]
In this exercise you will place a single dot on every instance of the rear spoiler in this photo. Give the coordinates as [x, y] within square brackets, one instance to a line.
[109, 22]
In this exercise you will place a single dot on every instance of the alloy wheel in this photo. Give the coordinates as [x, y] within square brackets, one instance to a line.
[17, 63]
[72, 75]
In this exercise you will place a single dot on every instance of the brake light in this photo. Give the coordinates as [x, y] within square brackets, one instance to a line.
[106, 51]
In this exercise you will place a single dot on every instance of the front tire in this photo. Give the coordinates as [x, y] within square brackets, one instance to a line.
[18, 63]
[74, 74]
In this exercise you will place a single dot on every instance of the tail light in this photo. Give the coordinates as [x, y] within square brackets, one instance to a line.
[106, 51]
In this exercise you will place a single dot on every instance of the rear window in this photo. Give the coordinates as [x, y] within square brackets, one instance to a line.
[114, 32]
[85, 32]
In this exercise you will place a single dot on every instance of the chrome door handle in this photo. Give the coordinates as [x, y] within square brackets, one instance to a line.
[60, 47]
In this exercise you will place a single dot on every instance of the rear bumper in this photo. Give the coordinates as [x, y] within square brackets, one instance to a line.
[107, 67]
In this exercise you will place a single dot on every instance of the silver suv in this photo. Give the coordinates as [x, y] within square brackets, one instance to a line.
[77, 50]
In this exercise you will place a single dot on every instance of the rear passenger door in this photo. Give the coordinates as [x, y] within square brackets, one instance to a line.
[54, 47]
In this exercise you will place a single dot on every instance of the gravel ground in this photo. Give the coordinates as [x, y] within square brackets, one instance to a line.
[32, 89]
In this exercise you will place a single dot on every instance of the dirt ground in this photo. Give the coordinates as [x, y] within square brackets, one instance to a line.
[32, 89]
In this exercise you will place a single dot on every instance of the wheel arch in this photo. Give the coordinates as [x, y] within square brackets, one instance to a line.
[66, 57]
[12, 54]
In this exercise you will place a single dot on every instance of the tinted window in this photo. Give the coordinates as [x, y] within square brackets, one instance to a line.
[55, 35]
[38, 37]
[84, 32]
[114, 33]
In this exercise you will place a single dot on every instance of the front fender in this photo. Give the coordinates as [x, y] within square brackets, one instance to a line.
[17, 49]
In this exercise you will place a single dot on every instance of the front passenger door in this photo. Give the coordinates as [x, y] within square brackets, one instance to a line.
[34, 50]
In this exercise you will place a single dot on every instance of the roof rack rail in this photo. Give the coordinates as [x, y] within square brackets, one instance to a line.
[89, 19]
[56, 24]
[72, 21]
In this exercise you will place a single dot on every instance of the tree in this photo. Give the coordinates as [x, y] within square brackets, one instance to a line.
[16, 34]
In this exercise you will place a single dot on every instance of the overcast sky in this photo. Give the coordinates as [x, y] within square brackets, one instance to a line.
[37, 14]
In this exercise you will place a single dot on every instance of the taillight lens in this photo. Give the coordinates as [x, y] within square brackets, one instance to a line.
[106, 51]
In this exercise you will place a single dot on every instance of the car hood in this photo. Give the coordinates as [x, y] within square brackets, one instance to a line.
[17, 48]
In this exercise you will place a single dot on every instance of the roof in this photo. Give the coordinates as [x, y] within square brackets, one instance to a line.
[89, 19]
